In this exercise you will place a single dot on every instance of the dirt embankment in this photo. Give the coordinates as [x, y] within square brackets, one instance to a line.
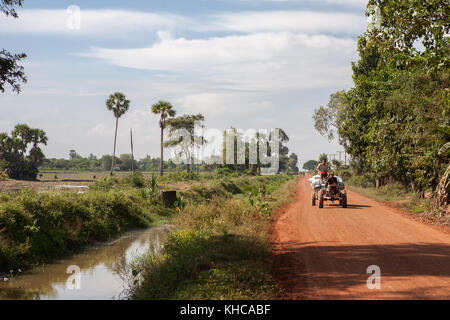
[325, 253]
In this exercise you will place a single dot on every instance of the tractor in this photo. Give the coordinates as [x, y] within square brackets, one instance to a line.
[333, 193]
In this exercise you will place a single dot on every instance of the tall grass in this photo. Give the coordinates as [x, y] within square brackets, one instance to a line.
[220, 250]
[36, 227]
[397, 195]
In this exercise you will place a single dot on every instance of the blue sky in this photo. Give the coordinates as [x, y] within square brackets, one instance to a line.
[242, 63]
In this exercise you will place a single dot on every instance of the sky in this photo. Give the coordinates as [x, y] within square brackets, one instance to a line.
[250, 64]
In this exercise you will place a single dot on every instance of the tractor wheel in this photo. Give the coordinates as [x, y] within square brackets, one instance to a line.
[321, 196]
[344, 200]
[313, 199]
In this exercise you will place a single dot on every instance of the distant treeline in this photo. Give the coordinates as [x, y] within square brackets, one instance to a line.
[124, 163]
[93, 163]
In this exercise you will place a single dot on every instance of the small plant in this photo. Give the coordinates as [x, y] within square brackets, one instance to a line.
[179, 204]
[144, 193]
[32, 228]
[3, 175]
[256, 198]
[152, 188]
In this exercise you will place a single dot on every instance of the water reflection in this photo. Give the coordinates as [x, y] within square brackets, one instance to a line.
[99, 266]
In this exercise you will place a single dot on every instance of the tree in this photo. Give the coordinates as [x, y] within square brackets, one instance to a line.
[127, 162]
[310, 165]
[328, 119]
[322, 157]
[390, 118]
[238, 140]
[14, 159]
[442, 192]
[36, 156]
[182, 134]
[405, 22]
[118, 104]
[283, 151]
[336, 164]
[7, 7]
[74, 155]
[10, 71]
[293, 160]
[106, 162]
[165, 110]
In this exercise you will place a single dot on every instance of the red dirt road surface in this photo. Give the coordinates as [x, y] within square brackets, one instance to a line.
[325, 253]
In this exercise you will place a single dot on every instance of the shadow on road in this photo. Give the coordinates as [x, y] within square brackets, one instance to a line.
[309, 271]
[350, 206]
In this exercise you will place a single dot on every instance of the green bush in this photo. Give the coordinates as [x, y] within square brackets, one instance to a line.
[36, 227]
[135, 179]
[364, 181]
[223, 172]
[104, 184]
[344, 174]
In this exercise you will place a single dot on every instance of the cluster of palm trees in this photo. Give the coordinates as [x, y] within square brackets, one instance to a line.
[119, 105]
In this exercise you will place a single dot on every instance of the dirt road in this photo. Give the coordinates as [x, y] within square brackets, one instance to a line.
[325, 253]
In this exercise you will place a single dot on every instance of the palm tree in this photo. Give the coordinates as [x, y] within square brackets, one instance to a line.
[118, 104]
[165, 110]
[186, 123]
[39, 137]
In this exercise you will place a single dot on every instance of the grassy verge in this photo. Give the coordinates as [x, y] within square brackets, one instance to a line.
[221, 249]
[398, 196]
[36, 227]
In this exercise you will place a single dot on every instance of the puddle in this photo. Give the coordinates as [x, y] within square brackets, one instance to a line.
[91, 275]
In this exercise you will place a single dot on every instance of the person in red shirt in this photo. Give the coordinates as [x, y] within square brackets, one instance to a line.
[322, 169]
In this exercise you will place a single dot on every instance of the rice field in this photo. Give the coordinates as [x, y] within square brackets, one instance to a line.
[74, 181]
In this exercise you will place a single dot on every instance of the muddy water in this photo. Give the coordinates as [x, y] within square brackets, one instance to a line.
[97, 273]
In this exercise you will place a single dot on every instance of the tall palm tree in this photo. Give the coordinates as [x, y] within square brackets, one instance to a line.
[165, 110]
[39, 137]
[118, 104]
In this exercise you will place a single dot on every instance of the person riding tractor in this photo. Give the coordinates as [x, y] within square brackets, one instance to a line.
[331, 189]
[332, 183]
[322, 169]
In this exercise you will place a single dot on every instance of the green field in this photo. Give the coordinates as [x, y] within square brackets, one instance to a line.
[89, 176]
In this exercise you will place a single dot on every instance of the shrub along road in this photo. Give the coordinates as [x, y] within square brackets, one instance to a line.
[325, 253]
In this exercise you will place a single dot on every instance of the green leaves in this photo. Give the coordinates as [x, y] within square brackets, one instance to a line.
[165, 110]
[328, 119]
[118, 104]
[179, 204]
[10, 71]
[405, 23]
[256, 198]
[396, 118]
[7, 7]
[13, 152]
[182, 134]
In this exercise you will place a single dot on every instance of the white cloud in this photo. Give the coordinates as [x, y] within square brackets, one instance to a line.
[351, 3]
[100, 128]
[220, 105]
[257, 74]
[119, 23]
[260, 61]
[92, 23]
[298, 21]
